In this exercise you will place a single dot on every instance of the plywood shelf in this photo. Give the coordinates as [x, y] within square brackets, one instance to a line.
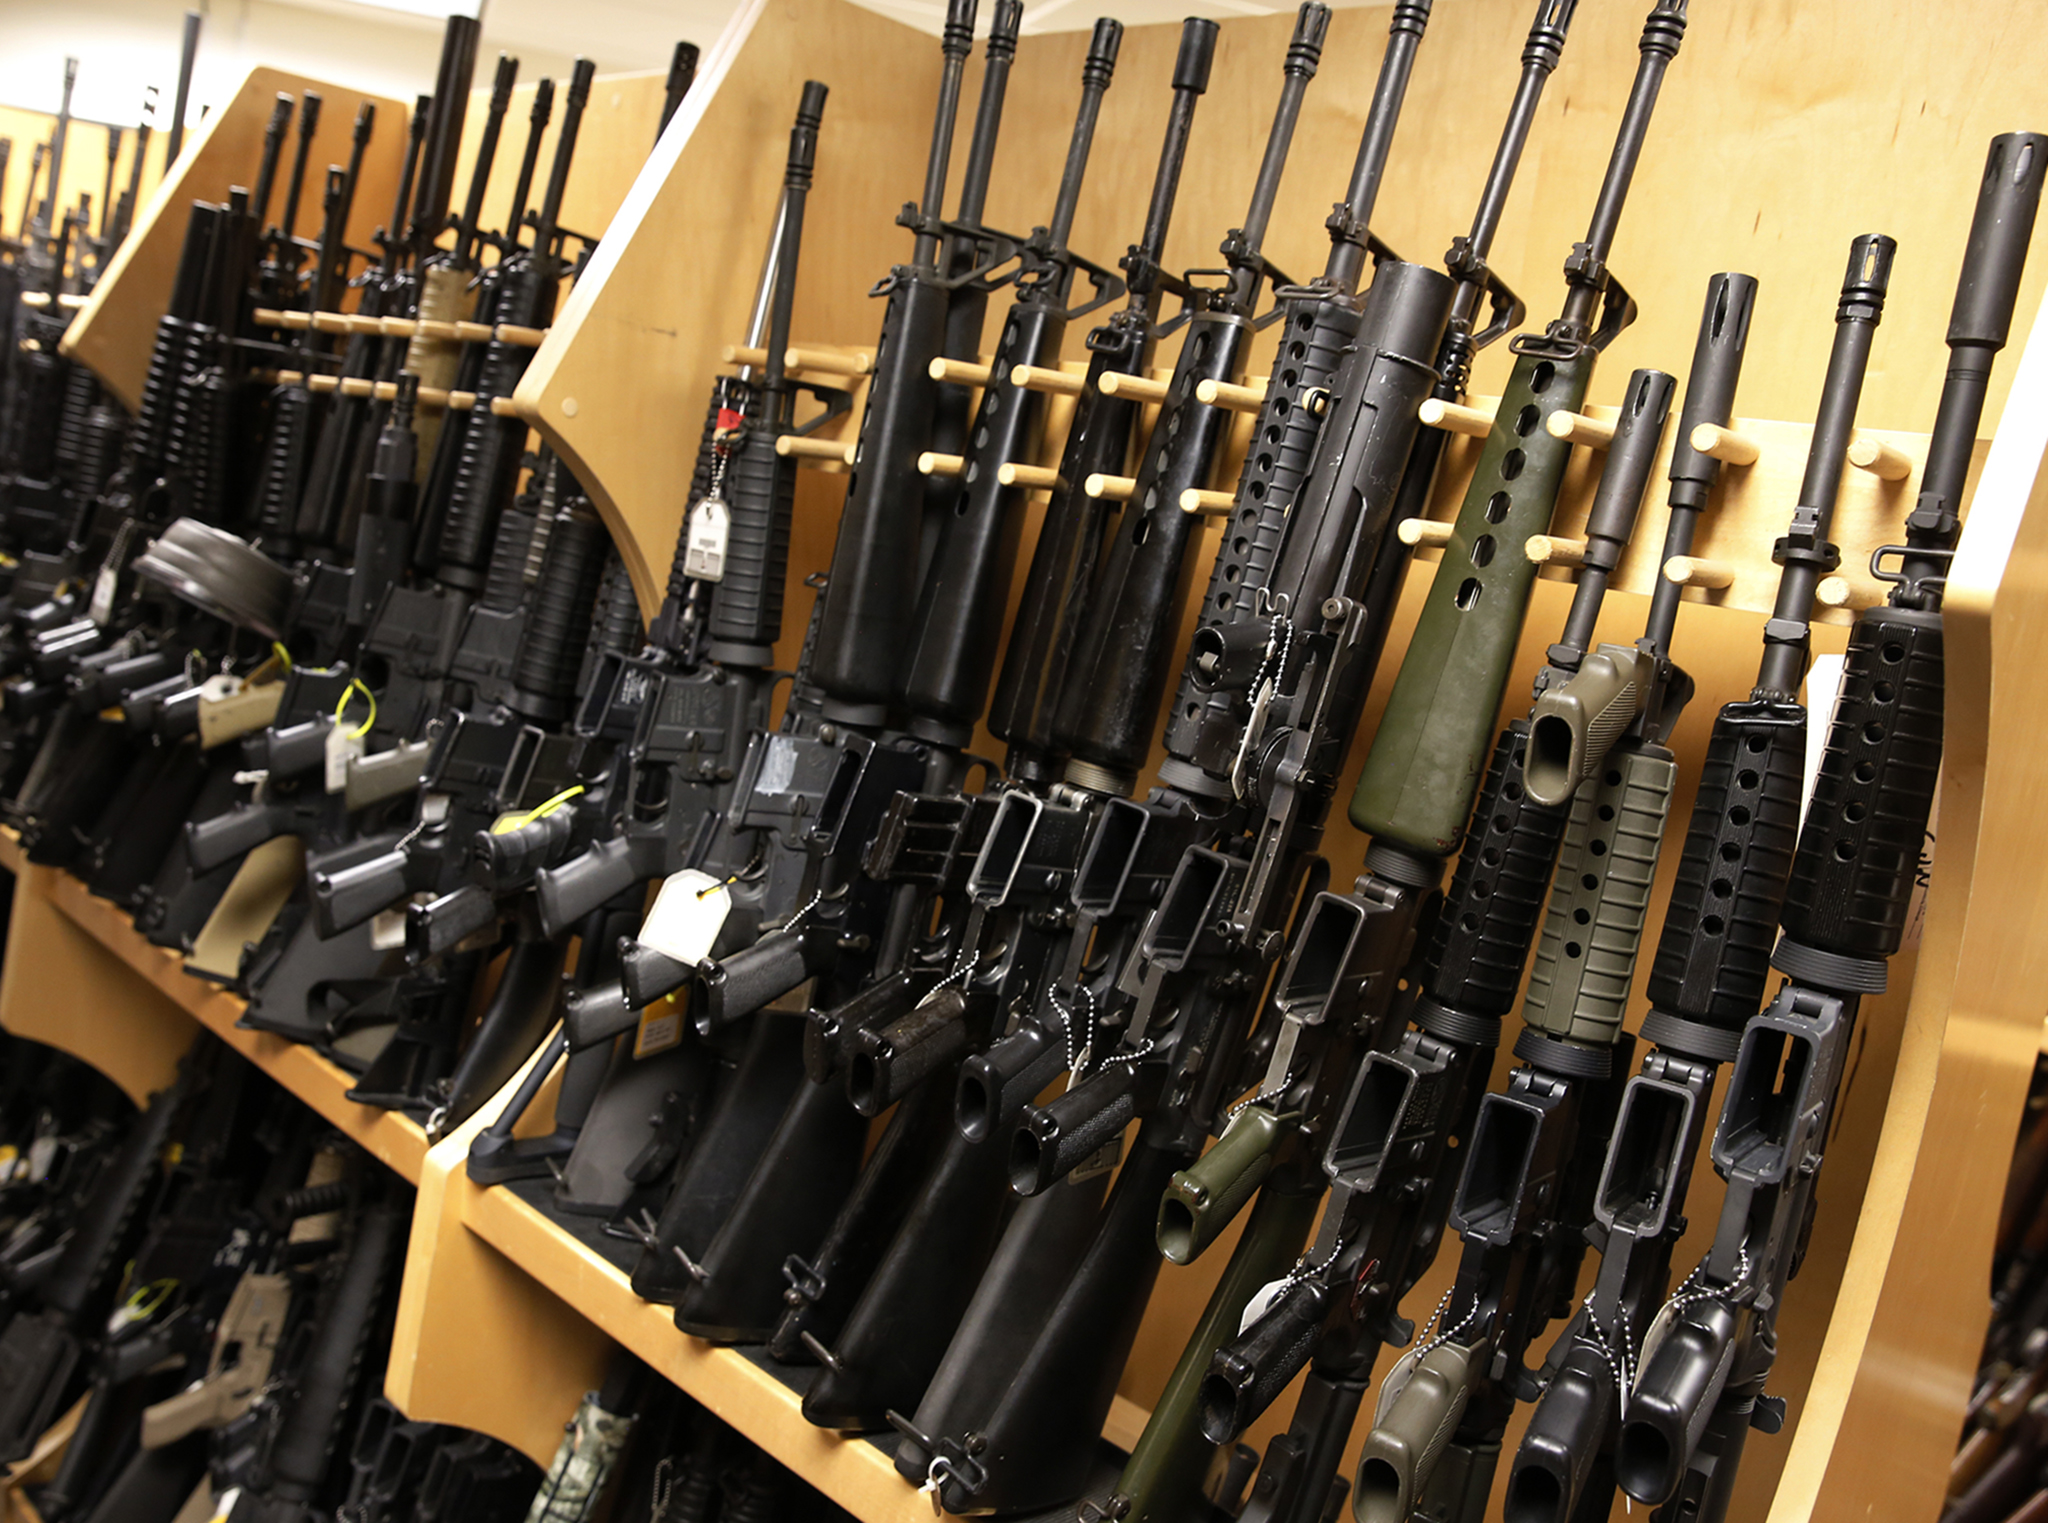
[393, 1139]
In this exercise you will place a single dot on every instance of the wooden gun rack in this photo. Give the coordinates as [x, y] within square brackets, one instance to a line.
[506, 1316]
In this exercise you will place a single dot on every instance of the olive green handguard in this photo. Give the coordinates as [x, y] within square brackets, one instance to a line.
[1203, 1198]
[1409, 1433]
[1593, 924]
[1430, 750]
[1162, 1481]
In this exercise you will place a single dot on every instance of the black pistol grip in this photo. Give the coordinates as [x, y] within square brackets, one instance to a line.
[1052, 1140]
[1673, 1400]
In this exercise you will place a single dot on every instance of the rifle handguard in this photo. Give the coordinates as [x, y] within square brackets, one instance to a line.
[1674, 1397]
[1409, 1433]
[442, 924]
[886, 1062]
[1247, 1375]
[346, 898]
[736, 986]
[1206, 1196]
[1713, 959]
[1586, 959]
[1573, 727]
[1052, 1140]
[1859, 850]
[1562, 1441]
[996, 1085]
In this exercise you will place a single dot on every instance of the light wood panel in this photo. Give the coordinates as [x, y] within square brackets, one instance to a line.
[114, 332]
[481, 1341]
[135, 1034]
[60, 988]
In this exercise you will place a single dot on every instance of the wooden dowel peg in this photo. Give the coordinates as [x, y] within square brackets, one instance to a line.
[1424, 533]
[1034, 476]
[931, 464]
[828, 361]
[1833, 592]
[1725, 445]
[961, 372]
[1061, 383]
[1114, 488]
[1454, 417]
[330, 322]
[1236, 398]
[454, 401]
[1579, 429]
[1137, 387]
[358, 386]
[501, 407]
[1880, 459]
[738, 354]
[1690, 570]
[1208, 504]
[1549, 550]
[373, 326]
[518, 335]
[795, 446]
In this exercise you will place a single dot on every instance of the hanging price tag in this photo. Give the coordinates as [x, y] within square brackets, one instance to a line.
[342, 747]
[1261, 1302]
[104, 586]
[704, 553]
[687, 916]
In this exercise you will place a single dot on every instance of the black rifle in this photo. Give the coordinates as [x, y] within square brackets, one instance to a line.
[188, 50]
[1844, 912]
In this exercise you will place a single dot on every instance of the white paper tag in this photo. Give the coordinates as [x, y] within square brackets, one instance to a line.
[387, 930]
[704, 554]
[1823, 687]
[687, 916]
[1261, 1302]
[342, 748]
[104, 586]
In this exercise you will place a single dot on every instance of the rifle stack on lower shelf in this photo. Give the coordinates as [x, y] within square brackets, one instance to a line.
[905, 1071]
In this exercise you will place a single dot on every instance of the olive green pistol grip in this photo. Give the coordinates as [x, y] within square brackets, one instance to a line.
[1162, 1481]
[1203, 1198]
[1409, 1433]
[1431, 747]
[1593, 926]
[1574, 726]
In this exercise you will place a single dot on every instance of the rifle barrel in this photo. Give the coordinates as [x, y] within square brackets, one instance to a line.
[188, 51]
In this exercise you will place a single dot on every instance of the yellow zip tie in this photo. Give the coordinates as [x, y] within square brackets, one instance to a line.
[355, 685]
[548, 806]
[145, 1299]
[277, 649]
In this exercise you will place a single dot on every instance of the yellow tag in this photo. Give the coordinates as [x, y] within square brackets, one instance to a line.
[661, 1026]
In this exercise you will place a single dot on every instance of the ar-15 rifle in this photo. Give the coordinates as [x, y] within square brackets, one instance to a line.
[902, 397]
[826, 1283]
[856, 929]
[1572, 1431]
[928, 1176]
[1402, 869]
[429, 643]
[1702, 1376]
[794, 765]
[700, 686]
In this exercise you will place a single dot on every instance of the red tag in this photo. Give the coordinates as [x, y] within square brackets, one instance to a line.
[728, 420]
